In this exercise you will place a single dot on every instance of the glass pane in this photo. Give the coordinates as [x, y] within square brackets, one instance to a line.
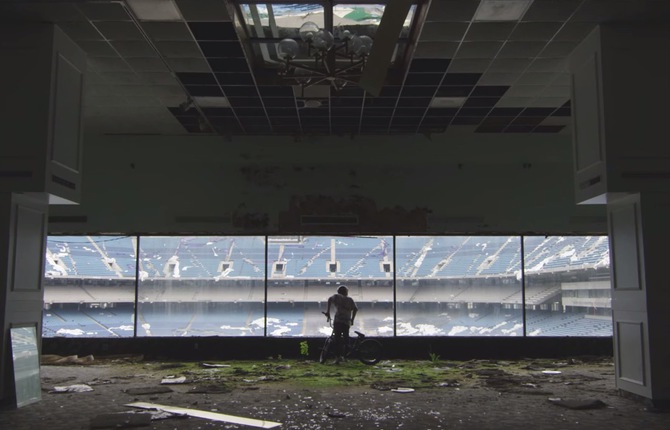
[280, 20]
[364, 19]
[201, 286]
[304, 271]
[458, 286]
[89, 286]
[568, 286]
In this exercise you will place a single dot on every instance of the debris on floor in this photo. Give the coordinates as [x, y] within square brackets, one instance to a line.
[403, 390]
[214, 365]
[579, 404]
[120, 420]
[214, 416]
[148, 390]
[172, 380]
[70, 359]
[76, 388]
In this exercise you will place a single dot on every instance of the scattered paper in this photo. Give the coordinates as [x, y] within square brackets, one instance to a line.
[215, 416]
[174, 380]
[551, 372]
[214, 365]
[76, 388]
[403, 390]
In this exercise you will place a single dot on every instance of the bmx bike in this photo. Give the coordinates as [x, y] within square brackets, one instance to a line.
[367, 351]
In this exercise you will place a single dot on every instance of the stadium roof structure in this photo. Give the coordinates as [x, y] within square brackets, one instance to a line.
[180, 67]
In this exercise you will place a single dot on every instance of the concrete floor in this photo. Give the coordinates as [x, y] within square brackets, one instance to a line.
[490, 396]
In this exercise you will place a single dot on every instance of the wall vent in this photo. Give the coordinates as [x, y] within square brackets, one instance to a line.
[68, 219]
[646, 175]
[329, 219]
[16, 174]
[590, 182]
[203, 219]
[64, 182]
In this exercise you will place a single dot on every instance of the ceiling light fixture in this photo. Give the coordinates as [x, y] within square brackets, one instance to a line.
[501, 10]
[325, 49]
[155, 10]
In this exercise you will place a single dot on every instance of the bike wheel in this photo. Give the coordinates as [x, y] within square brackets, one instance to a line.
[326, 350]
[369, 352]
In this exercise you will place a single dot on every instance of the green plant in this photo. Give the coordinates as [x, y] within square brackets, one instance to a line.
[304, 348]
[434, 357]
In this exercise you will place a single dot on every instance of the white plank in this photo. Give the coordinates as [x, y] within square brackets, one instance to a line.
[214, 416]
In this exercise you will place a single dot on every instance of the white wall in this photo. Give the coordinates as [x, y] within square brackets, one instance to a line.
[140, 184]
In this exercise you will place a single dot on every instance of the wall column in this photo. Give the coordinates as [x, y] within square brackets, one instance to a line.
[621, 159]
[40, 164]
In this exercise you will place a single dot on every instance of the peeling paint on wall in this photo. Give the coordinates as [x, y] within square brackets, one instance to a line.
[370, 218]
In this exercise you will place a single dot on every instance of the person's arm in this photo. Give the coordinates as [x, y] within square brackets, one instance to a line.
[354, 312]
[330, 300]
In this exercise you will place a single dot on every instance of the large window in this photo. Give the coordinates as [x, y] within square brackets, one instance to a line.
[89, 286]
[278, 285]
[567, 286]
[304, 271]
[201, 286]
[459, 286]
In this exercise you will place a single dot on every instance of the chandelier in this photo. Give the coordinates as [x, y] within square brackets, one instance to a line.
[336, 61]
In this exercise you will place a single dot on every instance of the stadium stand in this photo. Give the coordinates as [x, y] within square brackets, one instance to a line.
[202, 286]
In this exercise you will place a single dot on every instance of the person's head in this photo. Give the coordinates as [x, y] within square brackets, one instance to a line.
[343, 290]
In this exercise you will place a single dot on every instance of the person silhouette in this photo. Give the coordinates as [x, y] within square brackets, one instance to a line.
[345, 313]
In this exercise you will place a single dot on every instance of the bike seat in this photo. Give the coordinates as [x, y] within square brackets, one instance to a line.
[359, 333]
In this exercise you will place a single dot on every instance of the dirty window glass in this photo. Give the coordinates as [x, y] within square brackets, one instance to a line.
[458, 286]
[568, 286]
[89, 286]
[201, 286]
[303, 271]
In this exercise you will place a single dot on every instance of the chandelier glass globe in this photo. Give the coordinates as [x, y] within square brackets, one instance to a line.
[323, 40]
[361, 45]
[288, 49]
[308, 30]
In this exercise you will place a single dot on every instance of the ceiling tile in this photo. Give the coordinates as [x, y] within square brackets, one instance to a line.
[536, 78]
[158, 78]
[228, 64]
[600, 11]
[40, 12]
[514, 49]
[509, 65]
[98, 11]
[490, 78]
[203, 10]
[167, 31]
[80, 30]
[478, 49]
[558, 49]
[548, 65]
[489, 31]
[121, 78]
[524, 91]
[553, 102]
[443, 32]
[213, 30]
[147, 64]
[563, 91]
[429, 65]
[435, 49]
[105, 64]
[530, 31]
[490, 90]
[179, 49]
[188, 64]
[134, 49]
[514, 102]
[551, 10]
[452, 10]
[574, 32]
[468, 65]
[94, 48]
[222, 49]
[119, 30]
